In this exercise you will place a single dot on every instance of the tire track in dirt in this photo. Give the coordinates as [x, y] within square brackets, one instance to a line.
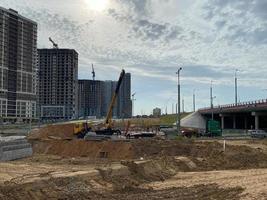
[253, 181]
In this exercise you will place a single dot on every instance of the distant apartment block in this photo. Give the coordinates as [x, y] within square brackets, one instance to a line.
[90, 98]
[95, 98]
[18, 57]
[108, 90]
[124, 99]
[58, 83]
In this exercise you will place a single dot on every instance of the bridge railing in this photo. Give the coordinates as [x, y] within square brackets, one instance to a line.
[240, 104]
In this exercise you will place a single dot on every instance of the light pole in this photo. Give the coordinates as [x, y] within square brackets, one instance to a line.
[183, 104]
[212, 117]
[236, 70]
[178, 114]
[194, 100]
[211, 104]
[133, 99]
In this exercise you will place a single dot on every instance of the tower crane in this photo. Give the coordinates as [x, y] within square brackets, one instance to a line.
[55, 45]
[93, 72]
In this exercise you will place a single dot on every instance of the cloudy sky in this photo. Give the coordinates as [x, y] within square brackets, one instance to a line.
[152, 38]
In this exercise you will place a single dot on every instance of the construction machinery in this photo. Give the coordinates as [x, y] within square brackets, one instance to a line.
[98, 132]
[80, 129]
[108, 130]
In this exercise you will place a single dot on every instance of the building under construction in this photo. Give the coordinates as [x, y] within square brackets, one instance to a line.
[58, 83]
[95, 97]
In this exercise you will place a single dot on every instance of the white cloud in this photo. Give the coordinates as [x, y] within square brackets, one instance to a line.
[150, 38]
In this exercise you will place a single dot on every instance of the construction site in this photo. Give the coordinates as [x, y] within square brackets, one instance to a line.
[53, 162]
[131, 159]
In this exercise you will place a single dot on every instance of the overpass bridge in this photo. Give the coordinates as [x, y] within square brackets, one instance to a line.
[245, 115]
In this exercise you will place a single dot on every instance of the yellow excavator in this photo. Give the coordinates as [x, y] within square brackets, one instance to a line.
[108, 130]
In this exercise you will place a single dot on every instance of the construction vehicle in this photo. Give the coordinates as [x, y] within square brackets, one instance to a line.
[80, 129]
[108, 130]
[98, 132]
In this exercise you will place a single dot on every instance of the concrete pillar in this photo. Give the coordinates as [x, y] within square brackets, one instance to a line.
[246, 122]
[222, 121]
[234, 122]
[256, 122]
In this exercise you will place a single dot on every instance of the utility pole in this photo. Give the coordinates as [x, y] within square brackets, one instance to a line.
[211, 101]
[194, 101]
[236, 70]
[178, 114]
[133, 99]
[183, 104]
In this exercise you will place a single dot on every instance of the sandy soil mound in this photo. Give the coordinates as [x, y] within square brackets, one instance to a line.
[58, 131]
[207, 155]
[82, 148]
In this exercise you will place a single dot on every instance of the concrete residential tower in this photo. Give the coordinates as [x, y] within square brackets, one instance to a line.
[58, 83]
[18, 54]
[90, 98]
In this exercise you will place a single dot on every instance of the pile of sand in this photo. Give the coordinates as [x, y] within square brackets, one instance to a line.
[206, 155]
[84, 148]
[58, 131]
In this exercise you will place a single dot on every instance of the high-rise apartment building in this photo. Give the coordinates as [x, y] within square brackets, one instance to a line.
[18, 54]
[58, 83]
[124, 99]
[109, 88]
[90, 98]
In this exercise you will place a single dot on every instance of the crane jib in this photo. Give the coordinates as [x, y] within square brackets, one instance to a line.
[109, 114]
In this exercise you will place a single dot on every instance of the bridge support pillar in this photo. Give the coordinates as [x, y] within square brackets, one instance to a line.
[234, 122]
[222, 122]
[256, 122]
[257, 116]
[246, 122]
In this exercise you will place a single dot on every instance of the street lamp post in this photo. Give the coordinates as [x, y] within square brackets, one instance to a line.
[212, 117]
[179, 112]
[183, 105]
[236, 70]
[133, 99]
[211, 100]
[194, 101]
[211, 104]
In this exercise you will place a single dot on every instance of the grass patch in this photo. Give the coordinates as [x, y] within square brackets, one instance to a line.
[171, 119]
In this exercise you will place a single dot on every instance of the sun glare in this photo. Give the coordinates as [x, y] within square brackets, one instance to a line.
[97, 5]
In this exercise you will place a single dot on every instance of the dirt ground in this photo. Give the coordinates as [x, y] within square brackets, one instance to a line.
[140, 169]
